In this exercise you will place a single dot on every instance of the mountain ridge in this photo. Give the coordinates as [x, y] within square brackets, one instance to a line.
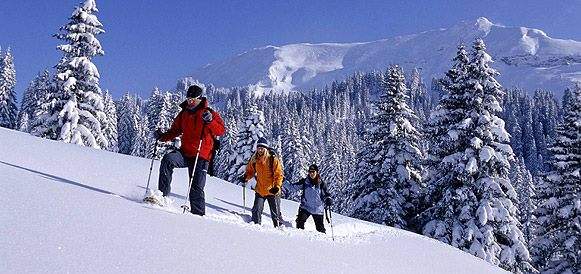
[526, 58]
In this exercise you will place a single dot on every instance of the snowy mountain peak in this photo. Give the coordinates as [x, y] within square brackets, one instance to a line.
[525, 57]
[484, 24]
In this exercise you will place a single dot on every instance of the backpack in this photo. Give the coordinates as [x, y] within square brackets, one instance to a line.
[270, 160]
[215, 149]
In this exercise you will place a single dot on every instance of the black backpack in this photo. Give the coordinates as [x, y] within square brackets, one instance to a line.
[215, 149]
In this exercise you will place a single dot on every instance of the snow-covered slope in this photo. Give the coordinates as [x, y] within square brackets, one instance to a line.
[72, 209]
[525, 57]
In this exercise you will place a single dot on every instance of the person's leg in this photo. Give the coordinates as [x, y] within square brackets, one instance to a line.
[319, 224]
[197, 200]
[170, 161]
[257, 208]
[302, 217]
[273, 209]
[277, 197]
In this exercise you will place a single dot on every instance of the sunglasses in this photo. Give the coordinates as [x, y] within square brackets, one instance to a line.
[312, 171]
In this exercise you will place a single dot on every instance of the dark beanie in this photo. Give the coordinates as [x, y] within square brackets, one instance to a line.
[314, 167]
[194, 91]
[262, 142]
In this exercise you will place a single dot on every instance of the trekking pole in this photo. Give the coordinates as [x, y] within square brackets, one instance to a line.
[151, 166]
[330, 220]
[184, 206]
[244, 194]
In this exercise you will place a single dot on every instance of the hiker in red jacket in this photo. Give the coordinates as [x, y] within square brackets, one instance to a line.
[194, 122]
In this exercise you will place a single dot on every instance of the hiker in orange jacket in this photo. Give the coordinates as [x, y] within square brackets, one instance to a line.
[267, 168]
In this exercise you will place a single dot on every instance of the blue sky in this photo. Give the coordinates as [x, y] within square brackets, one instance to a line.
[154, 42]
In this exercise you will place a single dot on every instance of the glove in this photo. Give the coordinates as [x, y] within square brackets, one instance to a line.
[157, 134]
[207, 117]
[273, 190]
[328, 201]
[242, 180]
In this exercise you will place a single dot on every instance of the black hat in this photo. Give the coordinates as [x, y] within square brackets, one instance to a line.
[194, 91]
[314, 167]
[262, 142]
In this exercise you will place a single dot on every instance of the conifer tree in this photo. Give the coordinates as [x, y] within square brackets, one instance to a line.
[129, 126]
[227, 144]
[8, 109]
[74, 108]
[471, 195]
[295, 159]
[34, 95]
[524, 186]
[557, 247]
[385, 188]
[109, 127]
[250, 130]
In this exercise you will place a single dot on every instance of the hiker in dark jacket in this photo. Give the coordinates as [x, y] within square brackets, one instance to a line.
[314, 199]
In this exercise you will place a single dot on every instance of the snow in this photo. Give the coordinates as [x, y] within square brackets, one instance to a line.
[486, 154]
[68, 208]
[472, 166]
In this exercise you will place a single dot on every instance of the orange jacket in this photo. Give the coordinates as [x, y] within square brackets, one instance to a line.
[266, 176]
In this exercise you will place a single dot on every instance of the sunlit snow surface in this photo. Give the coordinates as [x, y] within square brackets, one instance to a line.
[71, 209]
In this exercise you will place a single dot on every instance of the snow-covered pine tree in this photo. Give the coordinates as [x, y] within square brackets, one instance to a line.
[418, 98]
[34, 95]
[8, 109]
[159, 111]
[75, 104]
[142, 147]
[109, 128]
[567, 100]
[129, 125]
[250, 130]
[227, 142]
[545, 117]
[385, 187]
[295, 157]
[523, 183]
[471, 196]
[529, 150]
[511, 114]
[349, 145]
[557, 246]
[330, 167]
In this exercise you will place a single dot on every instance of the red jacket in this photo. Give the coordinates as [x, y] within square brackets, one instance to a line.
[189, 124]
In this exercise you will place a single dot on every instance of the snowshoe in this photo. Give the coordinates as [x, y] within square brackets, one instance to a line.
[157, 198]
[151, 200]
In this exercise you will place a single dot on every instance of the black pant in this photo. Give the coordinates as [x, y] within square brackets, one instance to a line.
[258, 207]
[304, 215]
[176, 159]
